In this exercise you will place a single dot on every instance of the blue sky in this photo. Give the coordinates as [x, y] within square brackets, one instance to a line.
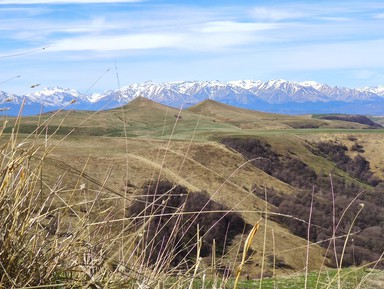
[85, 44]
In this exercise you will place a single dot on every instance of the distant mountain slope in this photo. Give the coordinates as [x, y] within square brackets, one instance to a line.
[279, 96]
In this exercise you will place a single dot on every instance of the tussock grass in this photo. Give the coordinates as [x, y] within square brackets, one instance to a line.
[53, 235]
[48, 237]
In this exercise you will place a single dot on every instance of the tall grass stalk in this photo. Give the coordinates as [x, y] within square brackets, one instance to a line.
[264, 237]
[247, 245]
[308, 240]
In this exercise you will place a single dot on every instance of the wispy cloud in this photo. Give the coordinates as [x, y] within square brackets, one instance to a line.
[329, 56]
[120, 42]
[172, 28]
[176, 39]
[188, 27]
[187, 41]
[276, 14]
[232, 26]
[29, 30]
[18, 2]
[335, 11]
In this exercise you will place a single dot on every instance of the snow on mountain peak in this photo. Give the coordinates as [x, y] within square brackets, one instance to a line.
[55, 96]
[312, 84]
[379, 90]
[53, 90]
[95, 97]
[244, 93]
[245, 84]
[271, 91]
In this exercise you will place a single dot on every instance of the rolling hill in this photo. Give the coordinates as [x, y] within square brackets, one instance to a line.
[252, 162]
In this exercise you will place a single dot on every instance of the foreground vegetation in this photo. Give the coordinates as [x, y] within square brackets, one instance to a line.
[107, 208]
[347, 278]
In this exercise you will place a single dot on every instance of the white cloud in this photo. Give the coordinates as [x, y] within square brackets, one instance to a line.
[17, 2]
[335, 19]
[344, 55]
[28, 30]
[182, 41]
[26, 11]
[120, 42]
[274, 14]
[231, 26]
[190, 41]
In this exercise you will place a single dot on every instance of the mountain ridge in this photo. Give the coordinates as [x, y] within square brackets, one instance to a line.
[279, 96]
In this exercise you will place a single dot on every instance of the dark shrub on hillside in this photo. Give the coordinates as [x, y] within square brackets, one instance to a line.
[335, 152]
[358, 167]
[371, 238]
[367, 230]
[295, 173]
[266, 158]
[289, 169]
[362, 119]
[351, 138]
[294, 209]
[357, 148]
[174, 216]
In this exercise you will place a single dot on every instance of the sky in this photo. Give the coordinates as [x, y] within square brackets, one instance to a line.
[98, 45]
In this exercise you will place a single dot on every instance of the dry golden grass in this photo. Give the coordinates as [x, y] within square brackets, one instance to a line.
[64, 196]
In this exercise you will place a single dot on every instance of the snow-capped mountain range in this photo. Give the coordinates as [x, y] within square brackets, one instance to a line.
[278, 96]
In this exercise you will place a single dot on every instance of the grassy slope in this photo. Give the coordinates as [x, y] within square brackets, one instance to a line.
[193, 158]
[249, 119]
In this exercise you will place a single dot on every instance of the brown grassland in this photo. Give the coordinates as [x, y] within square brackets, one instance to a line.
[69, 179]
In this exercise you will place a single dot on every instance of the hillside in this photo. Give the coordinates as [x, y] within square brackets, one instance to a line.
[362, 119]
[249, 119]
[238, 157]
